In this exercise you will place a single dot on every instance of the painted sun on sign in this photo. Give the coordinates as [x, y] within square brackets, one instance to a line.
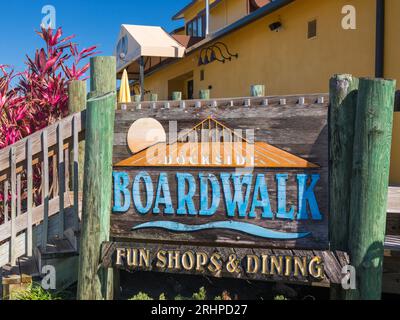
[208, 144]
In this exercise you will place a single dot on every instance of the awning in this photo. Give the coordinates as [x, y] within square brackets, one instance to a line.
[135, 42]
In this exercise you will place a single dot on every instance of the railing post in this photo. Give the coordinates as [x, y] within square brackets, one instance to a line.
[77, 94]
[370, 179]
[95, 284]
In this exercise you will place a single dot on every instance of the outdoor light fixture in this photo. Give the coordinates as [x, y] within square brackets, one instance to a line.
[217, 52]
[276, 26]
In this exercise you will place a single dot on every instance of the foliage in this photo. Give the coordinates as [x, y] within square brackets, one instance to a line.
[201, 295]
[141, 296]
[280, 298]
[34, 292]
[41, 95]
[145, 297]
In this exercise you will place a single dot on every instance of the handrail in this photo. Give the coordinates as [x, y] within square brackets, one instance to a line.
[47, 158]
[318, 98]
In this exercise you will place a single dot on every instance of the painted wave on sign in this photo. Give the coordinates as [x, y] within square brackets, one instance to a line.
[247, 228]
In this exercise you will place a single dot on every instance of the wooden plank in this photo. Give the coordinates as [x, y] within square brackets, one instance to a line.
[19, 198]
[6, 201]
[76, 170]
[45, 190]
[67, 169]
[13, 163]
[248, 262]
[54, 181]
[29, 176]
[61, 177]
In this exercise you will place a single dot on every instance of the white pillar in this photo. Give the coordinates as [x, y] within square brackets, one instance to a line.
[207, 17]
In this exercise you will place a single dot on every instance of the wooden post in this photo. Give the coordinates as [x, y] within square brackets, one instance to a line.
[77, 94]
[370, 179]
[95, 283]
[342, 114]
[141, 72]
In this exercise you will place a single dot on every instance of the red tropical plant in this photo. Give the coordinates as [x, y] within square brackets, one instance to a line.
[40, 95]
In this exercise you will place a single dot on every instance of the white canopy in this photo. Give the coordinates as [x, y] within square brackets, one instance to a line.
[136, 41]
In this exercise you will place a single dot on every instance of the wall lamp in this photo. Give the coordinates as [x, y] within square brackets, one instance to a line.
[276, 26]
[210, 54]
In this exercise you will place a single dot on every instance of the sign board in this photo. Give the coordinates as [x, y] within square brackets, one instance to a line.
[226, 177]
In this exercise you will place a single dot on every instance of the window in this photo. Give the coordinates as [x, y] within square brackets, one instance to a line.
[196, 27]
[312, 29]
[202, 76]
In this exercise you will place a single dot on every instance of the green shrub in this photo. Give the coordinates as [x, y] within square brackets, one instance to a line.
[201, 295]
[34, 292]
[280, 298]
[141, 296]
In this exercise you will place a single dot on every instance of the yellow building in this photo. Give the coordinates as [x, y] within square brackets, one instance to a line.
[290, 46]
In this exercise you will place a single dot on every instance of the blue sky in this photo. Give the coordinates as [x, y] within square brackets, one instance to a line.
[94, 22]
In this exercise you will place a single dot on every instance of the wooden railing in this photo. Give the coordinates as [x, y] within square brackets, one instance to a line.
[38, 183]
[229, 102]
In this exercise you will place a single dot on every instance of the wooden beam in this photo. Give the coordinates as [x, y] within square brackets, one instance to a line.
[77, 94]
[342, 113]
[370, 179]
[94, 284]
[141, 68]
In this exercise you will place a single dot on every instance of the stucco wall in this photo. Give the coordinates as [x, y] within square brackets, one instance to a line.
[395, 160]
[392, 41]
[286, 61]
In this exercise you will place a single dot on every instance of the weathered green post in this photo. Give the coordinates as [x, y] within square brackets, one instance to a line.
[342, 114]
[369, 189]
[95, 283]
[77, 94]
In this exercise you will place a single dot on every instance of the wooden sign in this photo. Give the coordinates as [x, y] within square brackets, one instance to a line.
[237, 177]
[321, 268]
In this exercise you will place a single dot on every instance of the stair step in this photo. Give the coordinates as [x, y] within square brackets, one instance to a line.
[57, 248]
